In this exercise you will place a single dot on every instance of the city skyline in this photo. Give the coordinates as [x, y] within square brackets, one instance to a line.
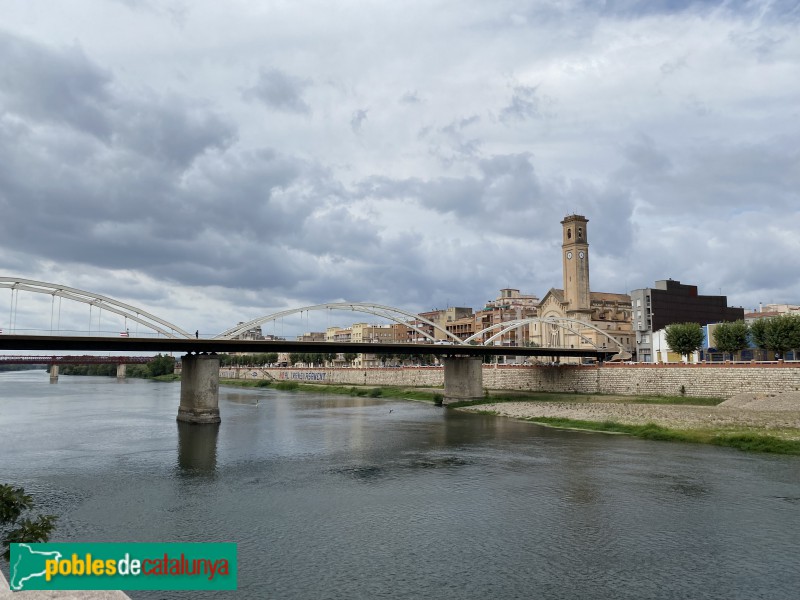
[212, 164]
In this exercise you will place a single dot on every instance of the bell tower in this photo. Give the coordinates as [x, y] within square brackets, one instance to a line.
[575, 257]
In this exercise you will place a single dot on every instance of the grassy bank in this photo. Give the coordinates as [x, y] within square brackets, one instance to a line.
[585, 398]
[753, 442]
[343, 390]
[167, 377]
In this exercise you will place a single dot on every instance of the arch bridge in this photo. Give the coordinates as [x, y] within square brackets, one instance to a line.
[200, 373]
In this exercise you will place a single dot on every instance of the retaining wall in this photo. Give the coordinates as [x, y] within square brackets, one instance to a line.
[704, 380]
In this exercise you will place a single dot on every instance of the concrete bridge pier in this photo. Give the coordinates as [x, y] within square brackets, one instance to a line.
[53, 373]
[121, 371]
[199, 389]
[463, 378]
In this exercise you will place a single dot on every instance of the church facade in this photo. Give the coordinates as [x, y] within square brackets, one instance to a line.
[585, 319]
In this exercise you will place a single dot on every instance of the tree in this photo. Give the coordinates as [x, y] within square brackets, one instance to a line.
[16, 528]
[777, 334]
[758, 333]
[684, 338]
[731, 337]
[349, 357]
[161, 365]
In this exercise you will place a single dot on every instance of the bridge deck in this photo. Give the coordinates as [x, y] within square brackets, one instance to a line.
[166, 345]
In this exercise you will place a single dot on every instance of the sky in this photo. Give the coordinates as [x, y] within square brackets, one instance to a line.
[212, 162]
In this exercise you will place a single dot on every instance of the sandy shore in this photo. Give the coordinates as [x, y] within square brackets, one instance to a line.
[776, 412]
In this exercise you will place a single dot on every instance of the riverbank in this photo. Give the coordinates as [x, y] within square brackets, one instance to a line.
[765, 423]
[752, 422]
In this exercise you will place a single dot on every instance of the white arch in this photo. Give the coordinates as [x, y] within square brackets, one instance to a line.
[378, 310]
[509, 325]
[524, 322]
[109, 304]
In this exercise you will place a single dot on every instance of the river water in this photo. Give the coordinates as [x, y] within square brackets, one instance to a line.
[340, 497]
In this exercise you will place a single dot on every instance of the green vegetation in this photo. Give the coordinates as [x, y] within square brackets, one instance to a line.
[774, 334]
[777, 334]
[23, 367]
[363, 391]
[684, 338]
[731, 337]
[428, 395]
[16, 528]
[286, 385]
[248, 360]
[586, 398]
[161, 366]
[168, 377]
[752, 442]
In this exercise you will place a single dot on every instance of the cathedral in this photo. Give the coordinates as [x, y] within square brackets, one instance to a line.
[585, 319]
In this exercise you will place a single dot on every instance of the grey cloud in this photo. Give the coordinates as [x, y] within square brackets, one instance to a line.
[708, 177]
[56, 86]
[646, 158]
[504, 185]
[337, 232]
[410, 98]
[173, 131]
[451, 143]
[524, 105]
[669, 67]
[508, 198]
[280, 91]
[357, 120]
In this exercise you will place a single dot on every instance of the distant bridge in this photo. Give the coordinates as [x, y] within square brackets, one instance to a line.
[86, 359]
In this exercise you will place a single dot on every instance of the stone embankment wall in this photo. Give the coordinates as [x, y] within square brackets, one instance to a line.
[403, 377]
[704, 380]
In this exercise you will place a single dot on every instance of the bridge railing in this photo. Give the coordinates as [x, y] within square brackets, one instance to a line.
[85, 333]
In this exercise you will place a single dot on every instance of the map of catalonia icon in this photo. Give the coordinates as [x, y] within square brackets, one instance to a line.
[26, 564]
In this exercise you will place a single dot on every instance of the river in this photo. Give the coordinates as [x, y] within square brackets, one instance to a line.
[340, 497]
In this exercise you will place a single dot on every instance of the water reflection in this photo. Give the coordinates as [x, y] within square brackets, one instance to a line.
[197, 448]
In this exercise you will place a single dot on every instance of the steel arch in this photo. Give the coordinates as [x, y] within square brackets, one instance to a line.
[378, 310]
[126, 310]
[507, 326]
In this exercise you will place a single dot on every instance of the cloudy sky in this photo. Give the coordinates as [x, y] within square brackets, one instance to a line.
[216, 161]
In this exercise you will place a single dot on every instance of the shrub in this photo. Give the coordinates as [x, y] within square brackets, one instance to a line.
[14, 502]
[286, 385]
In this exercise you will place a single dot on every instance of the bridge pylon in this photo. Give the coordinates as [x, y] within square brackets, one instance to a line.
[463, 378]
[199, 389]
